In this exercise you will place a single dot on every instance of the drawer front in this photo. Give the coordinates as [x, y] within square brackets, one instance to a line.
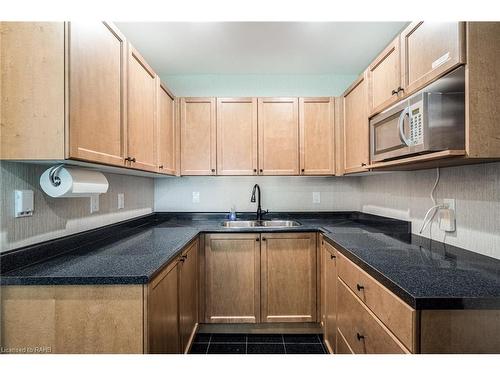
[392, 311]
[361, 330]
[342, 345]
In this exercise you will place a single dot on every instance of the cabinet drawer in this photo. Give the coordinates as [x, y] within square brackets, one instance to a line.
[342, 345]
[361, 329]
[394, 313]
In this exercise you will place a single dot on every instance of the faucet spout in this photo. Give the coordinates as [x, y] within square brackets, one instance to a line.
[260, 212]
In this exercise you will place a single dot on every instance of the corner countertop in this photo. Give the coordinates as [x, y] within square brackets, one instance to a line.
[423, 273]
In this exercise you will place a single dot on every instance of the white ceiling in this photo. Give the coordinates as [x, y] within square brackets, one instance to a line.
[184, 48]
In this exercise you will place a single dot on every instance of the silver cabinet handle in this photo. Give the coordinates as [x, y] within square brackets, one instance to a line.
[401, 121]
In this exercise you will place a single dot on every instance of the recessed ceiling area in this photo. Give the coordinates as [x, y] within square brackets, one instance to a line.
[259, 48]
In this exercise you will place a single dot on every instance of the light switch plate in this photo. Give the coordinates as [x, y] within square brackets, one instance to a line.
[121, 201]
[24, 205]
[94, 203]
[316, 197]
[196, 197]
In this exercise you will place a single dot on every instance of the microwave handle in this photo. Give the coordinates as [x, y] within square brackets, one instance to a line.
[401, 121]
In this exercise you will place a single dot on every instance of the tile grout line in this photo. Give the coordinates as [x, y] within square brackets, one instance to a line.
[209, 341]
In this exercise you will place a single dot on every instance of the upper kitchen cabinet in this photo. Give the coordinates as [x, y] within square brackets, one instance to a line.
[141, 119]
[198, 136]
[428, 50]
[384, 78]
[49, 67]
[97, 102]
[236, 136]
[316, 126]
[167, 132]
[278, 129]
[355, 126]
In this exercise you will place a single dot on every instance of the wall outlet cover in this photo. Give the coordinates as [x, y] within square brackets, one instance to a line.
[447, 216]
[121, 201]
[316, 197]
[24, 203]
[94, 203]
[196, 197]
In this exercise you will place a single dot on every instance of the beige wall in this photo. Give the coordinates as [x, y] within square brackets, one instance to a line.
[218, 194]
[56, 217]
[476, 188]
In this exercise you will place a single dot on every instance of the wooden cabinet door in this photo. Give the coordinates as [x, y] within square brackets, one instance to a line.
[316, 136]
[167, 132]
[237, 136]
[141, 130]
[288, 276]
[278, 136]
[232, 278]
[97, 101]
[330, 295]
[430, 49]
[384, 78]
[188, 295]
[198, 136]
[356, 131]
[163, 309]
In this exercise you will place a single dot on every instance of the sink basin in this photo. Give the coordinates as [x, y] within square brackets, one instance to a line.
[260, 224]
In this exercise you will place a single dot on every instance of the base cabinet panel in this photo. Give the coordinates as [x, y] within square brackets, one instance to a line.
[188, 295]
[288, 262]
[232, 278]
[330, 295]
[163, 311]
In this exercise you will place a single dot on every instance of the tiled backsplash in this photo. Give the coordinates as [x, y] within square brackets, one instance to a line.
[476, 189]
[56, 217]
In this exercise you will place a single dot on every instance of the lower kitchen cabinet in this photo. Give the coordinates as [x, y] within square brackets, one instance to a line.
[260, 278]
[188, 295]
[172, 305]
[329, 296]
[232, 278]
[163, 312]
[288, 276]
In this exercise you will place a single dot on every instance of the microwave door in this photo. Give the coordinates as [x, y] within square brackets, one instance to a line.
[386, 140]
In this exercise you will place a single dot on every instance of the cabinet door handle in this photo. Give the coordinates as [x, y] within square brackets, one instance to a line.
[128, 158]
[332, 256]
[257, 240]
[302, 170]
[261, 170]
[400, 89]
[359, 287]
[394, 92]
[160, 166]
[213, 170]
[359, 337]
[363, 164]
[255, 171]
[132, 160]
[264, 238]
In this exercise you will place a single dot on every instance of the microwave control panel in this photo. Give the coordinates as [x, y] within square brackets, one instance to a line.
[416, 124]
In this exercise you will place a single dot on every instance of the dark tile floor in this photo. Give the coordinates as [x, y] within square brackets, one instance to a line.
[222, 343]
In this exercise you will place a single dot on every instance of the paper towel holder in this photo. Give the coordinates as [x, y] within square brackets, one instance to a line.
[55, 180]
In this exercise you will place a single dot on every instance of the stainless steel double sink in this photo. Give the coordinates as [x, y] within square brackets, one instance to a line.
[260, 224]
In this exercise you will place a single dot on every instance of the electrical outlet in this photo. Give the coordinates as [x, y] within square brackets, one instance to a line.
[121, 201]
[23, 203]
[94, 203]
[447, 216]
[316, 197]
[196, 197]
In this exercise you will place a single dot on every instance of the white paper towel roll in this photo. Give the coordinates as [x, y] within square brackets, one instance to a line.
[75, 182]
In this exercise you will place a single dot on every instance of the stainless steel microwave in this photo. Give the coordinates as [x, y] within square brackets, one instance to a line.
[430, 120]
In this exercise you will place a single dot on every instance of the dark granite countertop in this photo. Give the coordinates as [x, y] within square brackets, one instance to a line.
[425, 274]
